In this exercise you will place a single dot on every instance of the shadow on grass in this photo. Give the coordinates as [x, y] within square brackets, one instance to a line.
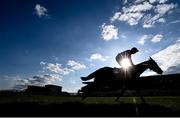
[70, 109]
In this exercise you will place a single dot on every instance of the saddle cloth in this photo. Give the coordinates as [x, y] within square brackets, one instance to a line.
[121, 74]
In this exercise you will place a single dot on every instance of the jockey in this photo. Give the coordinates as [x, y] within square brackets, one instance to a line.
[124, 58]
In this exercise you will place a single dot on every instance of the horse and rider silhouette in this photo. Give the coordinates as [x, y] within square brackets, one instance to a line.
[117, 79]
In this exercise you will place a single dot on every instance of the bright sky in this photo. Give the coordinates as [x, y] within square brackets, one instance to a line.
[57, 42]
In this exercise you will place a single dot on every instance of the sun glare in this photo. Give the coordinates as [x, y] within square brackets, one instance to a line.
[125, 63]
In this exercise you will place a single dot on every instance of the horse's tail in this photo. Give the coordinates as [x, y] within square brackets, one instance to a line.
[95, 73]
[90, 76]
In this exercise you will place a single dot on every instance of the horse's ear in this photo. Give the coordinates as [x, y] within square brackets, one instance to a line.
[150, 58]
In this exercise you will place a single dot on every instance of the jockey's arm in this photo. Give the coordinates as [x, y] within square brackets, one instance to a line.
[128, 55]
[131, 62]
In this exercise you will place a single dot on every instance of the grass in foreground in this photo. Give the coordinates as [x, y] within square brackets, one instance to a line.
[166, 101]
[33, 105]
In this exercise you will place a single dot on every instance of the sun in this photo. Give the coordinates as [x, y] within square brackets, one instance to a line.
[125, 63]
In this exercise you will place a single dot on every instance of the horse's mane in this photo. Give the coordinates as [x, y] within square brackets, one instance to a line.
[142, 63]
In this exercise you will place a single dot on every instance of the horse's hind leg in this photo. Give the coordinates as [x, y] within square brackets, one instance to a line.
[120, 95]
[83, 97]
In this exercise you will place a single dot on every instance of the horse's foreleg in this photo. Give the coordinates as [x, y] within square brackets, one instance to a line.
[141, 97]
[85, 95]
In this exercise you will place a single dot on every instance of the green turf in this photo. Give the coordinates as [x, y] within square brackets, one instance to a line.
[172, 102]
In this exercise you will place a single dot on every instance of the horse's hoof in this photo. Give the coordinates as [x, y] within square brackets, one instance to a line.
[143, 102]
[79, 92]
[83, 98]
[116, 100]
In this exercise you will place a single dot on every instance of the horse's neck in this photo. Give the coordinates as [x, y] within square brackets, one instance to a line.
[140, 68]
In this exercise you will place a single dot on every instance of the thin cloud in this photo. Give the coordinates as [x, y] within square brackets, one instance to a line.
[37, 80]
[73, 82]
[175, 21]
[40, 10]
[55, 58]
[123, 36]
[57, 68]
[147, 13]
[75, 65]
[132, 14]
[162, 1]
[97, 56]
[109, 32]
[42, 63]
[178, 40]
[157, 38]
[161, 20]
[144, 38]
[125, 2]
[54, 72]
[162, 9]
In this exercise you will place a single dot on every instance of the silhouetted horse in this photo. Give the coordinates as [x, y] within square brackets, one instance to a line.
[114, 79]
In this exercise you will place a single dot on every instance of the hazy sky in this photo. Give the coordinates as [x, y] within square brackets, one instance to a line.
[58, 41]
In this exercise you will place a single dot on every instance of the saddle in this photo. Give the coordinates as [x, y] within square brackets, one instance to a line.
[121, 74]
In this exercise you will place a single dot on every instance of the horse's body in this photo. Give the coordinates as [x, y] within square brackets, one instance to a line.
[115, 79]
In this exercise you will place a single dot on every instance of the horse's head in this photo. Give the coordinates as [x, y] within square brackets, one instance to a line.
[154, 66]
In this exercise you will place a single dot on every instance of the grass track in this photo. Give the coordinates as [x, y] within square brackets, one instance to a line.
[34, 105]
[166, 101]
